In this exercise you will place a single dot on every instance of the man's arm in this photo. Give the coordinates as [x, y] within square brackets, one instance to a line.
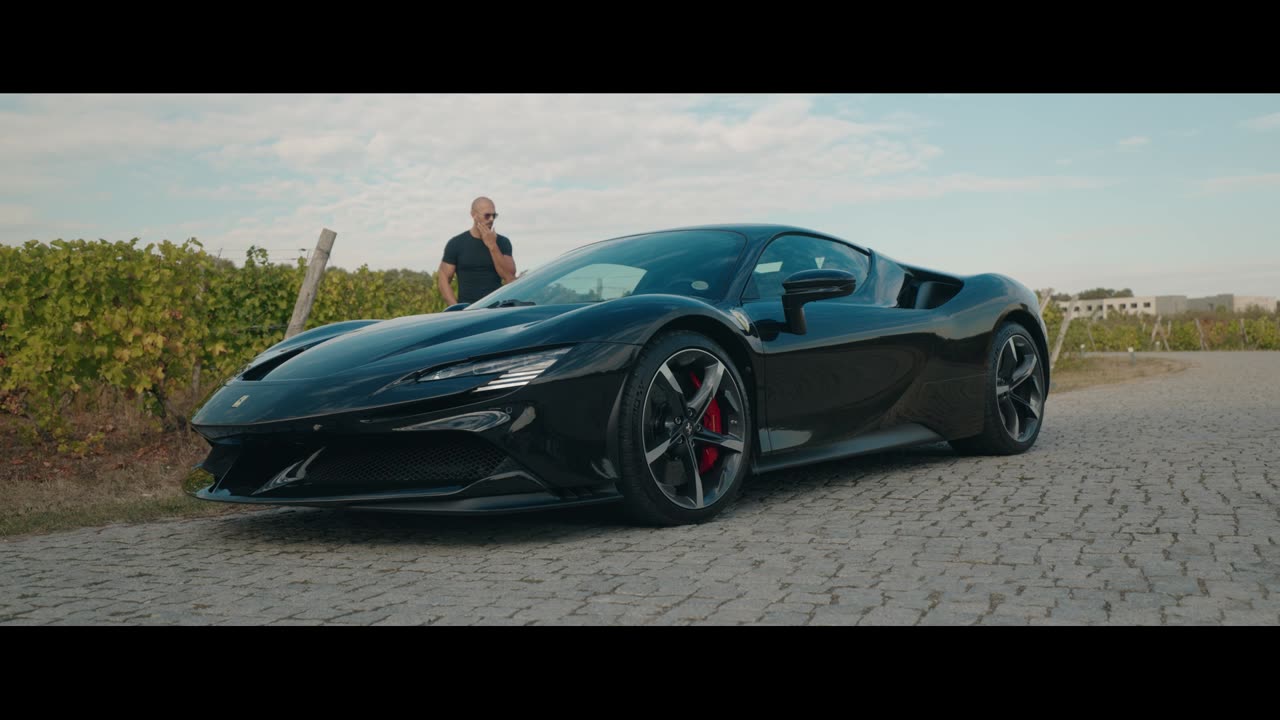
[500, 252]
[443, 277]
[503, 263]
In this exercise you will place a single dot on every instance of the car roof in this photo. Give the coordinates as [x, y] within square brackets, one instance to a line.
[753, 231]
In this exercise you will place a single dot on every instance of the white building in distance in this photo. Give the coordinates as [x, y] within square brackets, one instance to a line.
[1232, 303]
[1154, 305]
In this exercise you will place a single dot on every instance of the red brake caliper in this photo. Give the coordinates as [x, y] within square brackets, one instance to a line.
[711, 421]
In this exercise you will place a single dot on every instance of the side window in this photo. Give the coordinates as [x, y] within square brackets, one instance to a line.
[791, 254]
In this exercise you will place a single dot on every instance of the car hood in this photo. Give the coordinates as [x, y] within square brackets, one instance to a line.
[414, 343]
[366, 368]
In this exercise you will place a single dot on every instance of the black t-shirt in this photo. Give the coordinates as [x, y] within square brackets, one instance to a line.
[476, 274]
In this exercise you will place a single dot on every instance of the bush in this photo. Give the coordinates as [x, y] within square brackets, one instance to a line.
[160, 322]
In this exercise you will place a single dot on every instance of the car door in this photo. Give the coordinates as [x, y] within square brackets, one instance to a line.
[852, 365]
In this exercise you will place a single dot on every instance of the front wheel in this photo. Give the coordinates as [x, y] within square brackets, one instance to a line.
[1013, 403]
[686, 431]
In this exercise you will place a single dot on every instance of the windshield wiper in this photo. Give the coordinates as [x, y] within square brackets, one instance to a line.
[512, 303]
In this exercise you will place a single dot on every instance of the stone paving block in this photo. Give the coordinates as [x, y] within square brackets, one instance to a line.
[1152, 502]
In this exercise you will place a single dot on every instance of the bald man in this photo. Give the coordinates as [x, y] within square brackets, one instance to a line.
[480, 257]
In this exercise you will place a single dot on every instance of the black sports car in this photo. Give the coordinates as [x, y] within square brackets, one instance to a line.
[655, 370]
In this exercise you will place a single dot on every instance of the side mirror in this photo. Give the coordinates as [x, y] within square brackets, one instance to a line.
[809, 285]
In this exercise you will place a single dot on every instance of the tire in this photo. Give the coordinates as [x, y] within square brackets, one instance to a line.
[1012, 419]
[686, 471]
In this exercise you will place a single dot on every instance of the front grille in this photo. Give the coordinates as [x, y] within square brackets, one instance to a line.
[426, 462]
[420, 461]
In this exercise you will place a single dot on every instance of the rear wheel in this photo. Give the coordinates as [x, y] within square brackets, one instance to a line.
[686, 431]
[1013, 403]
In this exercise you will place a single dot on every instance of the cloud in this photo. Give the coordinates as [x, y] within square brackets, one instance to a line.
[933, 187]
[1166, 277]
[394, 175]
[1264, 122]
[13, 184]
[1240, 182]
[16, 215]
[319, 150]
[1159, 279]
[1134, 142]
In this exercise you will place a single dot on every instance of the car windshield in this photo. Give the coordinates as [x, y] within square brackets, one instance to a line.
[694, 263]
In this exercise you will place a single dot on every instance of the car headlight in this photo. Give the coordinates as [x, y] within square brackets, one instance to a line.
[515, 371]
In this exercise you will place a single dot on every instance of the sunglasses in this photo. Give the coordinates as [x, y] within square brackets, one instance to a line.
[490, 216]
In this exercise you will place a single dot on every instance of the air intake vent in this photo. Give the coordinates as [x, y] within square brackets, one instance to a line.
[259, 371]
[372, 464]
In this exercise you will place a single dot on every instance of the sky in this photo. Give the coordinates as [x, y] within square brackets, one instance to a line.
[1163, 194]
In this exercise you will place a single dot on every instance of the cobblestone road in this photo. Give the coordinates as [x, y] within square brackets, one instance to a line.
[1153, 502]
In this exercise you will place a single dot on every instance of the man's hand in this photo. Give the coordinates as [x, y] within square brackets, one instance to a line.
[489, 236]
